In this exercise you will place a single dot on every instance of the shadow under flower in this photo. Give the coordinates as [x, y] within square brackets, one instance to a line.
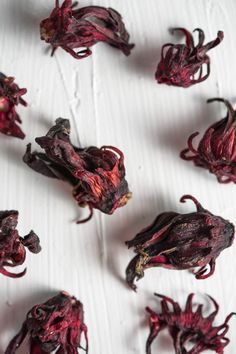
[13, 315]
[143, 60]
[176, 139]
[25, 15]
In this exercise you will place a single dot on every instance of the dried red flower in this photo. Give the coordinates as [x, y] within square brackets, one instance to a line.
[180, 63]
[10, 97]
[71, 28]
[188, 327]
[217, 149]
[180, 241]
[12, 246]
[96, 174]
[55, 326]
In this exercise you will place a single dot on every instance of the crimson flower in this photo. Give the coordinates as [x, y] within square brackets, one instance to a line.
[180, 241]
[12, 246]
[188, 327]
[181, 63]
[55, 326]
[217, 149]
[71, 28]
[10, 97]
[97, 175]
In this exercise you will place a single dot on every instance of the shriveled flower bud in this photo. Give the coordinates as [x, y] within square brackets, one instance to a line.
[217, 149]
[96, 174]
[10, 97]
[55, 326]
[182, 64]
[12, 246]
[188, 327]
[71, 28]
[180, 241]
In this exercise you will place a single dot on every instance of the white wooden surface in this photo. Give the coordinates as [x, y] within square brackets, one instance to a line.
[111, 99]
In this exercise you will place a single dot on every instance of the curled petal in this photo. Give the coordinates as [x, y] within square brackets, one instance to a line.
[201, 274]
[86, 219]
[216, 150]
[53, 327]
[12, 246]
[76, 30]
[12, 275]
[188, 327]
[182, 64]
[196, 202]
[188, 36]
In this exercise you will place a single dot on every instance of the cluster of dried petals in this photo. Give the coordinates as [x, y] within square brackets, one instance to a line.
[96, 174]
[186, 326]
[55, 326]
[10, 97]
[12, 246]
[182, 64]
[71, 28]
[216, 150]
[180, 241]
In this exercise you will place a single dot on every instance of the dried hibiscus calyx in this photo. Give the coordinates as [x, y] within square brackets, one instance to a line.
[55, 326]
[180, 241]
[216, 150]
[12, 246]
[188, 327]
[97, 175]
[10, 97]
[182, 64]
[71, 28]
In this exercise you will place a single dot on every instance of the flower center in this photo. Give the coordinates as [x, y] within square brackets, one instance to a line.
[4, 104]
[46, 34]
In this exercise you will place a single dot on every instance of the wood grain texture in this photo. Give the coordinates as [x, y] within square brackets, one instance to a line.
[111, 99]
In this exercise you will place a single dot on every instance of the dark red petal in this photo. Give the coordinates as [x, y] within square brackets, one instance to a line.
[32, 242]
[12, 275]
[17, 340]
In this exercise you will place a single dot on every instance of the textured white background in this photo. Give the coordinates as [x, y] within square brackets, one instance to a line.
[112, 99]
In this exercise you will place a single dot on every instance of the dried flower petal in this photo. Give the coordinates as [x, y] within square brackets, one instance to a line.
[188, 327]
[10, 97]
[97, 175]
[56, 325]
[180, 63]
[71, 28]
[12, 246]
[217, 149]
[180, 241]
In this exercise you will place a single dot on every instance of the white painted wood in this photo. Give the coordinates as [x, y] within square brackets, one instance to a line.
[111, 99]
